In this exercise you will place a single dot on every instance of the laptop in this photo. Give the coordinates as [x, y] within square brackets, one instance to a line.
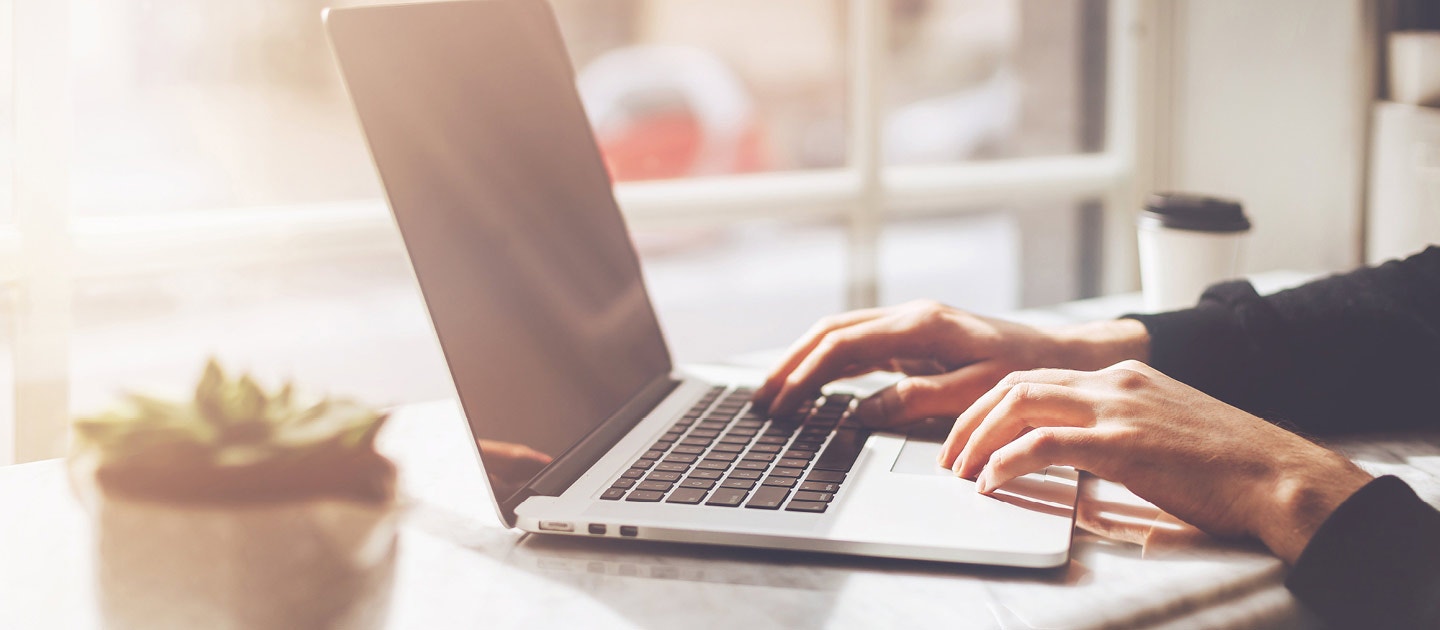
[583, 423]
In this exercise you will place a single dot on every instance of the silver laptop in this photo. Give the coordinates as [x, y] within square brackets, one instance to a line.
[583, 424]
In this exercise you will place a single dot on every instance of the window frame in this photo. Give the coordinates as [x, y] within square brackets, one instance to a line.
[45, 249]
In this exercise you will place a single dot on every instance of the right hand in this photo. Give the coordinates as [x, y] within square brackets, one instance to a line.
[950, 358]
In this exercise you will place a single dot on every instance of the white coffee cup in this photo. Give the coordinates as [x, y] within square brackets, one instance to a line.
[1187, 243]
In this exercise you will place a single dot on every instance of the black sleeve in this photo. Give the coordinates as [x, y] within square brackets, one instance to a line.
[1375, 563]
[1353, 352]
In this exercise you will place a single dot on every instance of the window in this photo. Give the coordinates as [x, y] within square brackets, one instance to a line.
[189, 179]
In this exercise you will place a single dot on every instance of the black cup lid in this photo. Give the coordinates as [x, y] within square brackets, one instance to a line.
[1185, 211]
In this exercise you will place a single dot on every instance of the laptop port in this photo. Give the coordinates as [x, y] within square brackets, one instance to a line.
[629, 530]
[556, 526]
[597, 529]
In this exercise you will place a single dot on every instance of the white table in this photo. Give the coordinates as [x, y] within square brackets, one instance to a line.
[459, 568]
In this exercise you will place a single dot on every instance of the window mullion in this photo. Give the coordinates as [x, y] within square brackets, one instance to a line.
[43, 120]
[868, 21]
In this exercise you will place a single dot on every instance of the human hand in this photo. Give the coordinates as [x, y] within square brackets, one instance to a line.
[950, 357]
[1212, 465]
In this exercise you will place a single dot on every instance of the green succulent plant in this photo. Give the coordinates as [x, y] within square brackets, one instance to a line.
[236, 442]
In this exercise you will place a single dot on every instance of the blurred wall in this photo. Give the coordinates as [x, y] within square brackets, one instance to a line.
[1268, 102]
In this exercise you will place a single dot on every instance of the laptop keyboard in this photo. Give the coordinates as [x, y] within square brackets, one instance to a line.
[725, 454]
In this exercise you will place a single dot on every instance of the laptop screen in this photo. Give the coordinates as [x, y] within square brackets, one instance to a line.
[506, 209]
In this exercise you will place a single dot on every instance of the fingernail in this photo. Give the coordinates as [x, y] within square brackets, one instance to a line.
[982, 483]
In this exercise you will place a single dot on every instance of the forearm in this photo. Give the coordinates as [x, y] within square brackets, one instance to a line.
[1098, 345]
[1359, 351]
[1307, 488]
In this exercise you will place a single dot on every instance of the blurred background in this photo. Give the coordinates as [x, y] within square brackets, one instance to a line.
[183, 178]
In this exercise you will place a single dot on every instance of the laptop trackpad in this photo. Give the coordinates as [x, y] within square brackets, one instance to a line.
[921, 448]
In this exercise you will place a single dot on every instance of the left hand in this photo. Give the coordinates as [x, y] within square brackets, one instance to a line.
[1212, 465]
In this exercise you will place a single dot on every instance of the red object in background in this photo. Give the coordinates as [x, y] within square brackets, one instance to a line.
[669, 145]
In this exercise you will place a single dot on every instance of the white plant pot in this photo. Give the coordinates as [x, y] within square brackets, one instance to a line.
[319, 563]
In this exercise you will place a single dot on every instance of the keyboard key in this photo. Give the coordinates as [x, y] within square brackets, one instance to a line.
[759, 457]
[613, 494]
[808, 447]
[744, 431]
[793, 473]
[662, 445]
[652, 455]
[771, 439]
[633, 473]
[783, 482]
[683, 459]
[689, 496]
[768, 498]
[746, 464]
[623, 483]
[700, 442]
[643, 464]
[793, 463]
[645, 496]
[826, 475]
[658, 486]
[728, 448]
[823, 497]
[820, 486]
[703, 484]
[689, 450]
[711, 464]
[765, 448]
[742, 484]
[663, 476]
[713, 425]
[671, 467]
[745, 474]
[731, 438]
[793, 454]
[806, 506]
[706, 474]
[721, 457]
[704, 433]
[749, 424]
[727, 497]
[843, 450]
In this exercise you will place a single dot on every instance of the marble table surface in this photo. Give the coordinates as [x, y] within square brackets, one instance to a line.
[458, 567]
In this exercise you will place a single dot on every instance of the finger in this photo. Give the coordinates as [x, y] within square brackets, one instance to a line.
[1046, 446]
[805, 344]
[867, 343]
[918, 397]
[970, 419]
[1025, 406]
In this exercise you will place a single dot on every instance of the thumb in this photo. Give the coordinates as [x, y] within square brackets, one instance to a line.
[916, 398]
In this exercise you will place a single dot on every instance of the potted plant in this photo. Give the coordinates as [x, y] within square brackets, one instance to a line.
[240, 508]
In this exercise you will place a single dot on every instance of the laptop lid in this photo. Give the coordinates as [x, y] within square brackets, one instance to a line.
[507, 212]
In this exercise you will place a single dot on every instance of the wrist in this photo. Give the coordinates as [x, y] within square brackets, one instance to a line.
[1302, 498]
[1096, 345]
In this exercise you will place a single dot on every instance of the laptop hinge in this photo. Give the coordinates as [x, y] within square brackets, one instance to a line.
[573, 463]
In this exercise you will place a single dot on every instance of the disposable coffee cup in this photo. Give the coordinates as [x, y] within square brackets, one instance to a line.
[1187, 243]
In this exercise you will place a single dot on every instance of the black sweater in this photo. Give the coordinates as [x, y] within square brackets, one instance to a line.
[1358, 352]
